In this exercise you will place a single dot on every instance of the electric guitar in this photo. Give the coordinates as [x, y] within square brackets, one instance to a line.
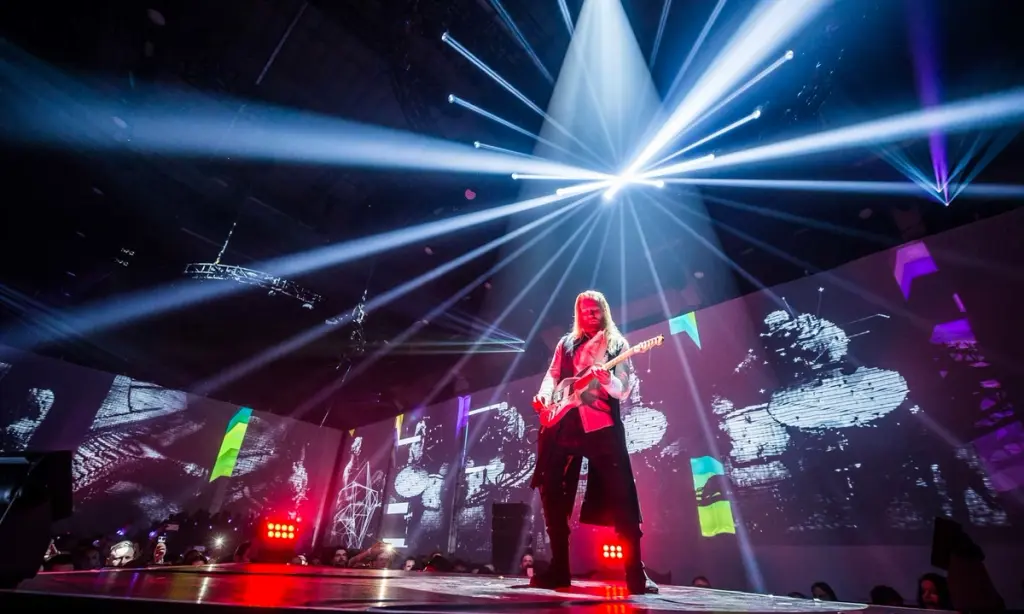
[569, 391]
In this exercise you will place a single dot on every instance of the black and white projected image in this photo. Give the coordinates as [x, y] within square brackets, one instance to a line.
[842, 445]
[358, 503]
[419, 506]
[500, 458]
[141, 431]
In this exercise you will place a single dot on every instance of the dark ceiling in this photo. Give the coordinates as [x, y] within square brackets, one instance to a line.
[72, 214]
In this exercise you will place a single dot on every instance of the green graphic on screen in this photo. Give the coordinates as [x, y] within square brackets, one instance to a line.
[713, 510]
[231, 444]
[686, 323]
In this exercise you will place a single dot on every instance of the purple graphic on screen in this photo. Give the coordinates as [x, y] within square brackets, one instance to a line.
[956, 332]
[912, 261]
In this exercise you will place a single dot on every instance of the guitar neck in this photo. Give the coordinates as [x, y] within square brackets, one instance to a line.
[614, 362]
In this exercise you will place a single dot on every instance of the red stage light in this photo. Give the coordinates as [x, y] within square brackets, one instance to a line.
[611, 551]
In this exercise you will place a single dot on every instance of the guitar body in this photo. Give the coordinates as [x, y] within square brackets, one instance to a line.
[569, 391]
[566, 396]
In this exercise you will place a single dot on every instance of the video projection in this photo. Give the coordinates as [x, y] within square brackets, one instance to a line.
[143, 452]
[419, 501]
[359, 501]
[847, 408]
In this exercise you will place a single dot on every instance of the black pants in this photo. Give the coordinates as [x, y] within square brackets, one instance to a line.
[564, 447]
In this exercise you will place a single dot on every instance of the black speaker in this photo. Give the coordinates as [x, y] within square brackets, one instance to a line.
[35, 491]
[508, 528]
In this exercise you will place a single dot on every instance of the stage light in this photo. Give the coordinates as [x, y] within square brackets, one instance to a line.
[789, 54]
[451, 98]
[475, 143]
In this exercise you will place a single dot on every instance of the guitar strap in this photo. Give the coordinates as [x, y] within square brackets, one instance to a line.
[568, 352]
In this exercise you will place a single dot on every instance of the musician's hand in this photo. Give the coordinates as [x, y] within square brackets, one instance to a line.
[540, 402]
[603, 376]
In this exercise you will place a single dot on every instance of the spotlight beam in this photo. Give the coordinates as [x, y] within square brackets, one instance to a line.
[540, 319]
[493, 74]
[402, 338]
[123, 309]
[694, 49]
[789, 55]
[469, 106]
[896, 188]
[566, 16]
[50, 117]
[304, 338]
[665, 9]
[749, 561]
[529, 177]
[770, 24]
[714, 135]
[977, 113]
[512, 305]
[510, 24]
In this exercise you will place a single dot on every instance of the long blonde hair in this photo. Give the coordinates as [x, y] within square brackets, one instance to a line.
[611, 331]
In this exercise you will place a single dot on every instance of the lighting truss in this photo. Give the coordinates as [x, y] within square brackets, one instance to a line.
[273, 285]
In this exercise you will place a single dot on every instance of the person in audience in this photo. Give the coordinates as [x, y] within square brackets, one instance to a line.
[701, 582]
[823, 592]
[886, 595]
[526, 565]
[160, 553]
[933, 593]
[194, 558]
[340, 558]
[409, 564]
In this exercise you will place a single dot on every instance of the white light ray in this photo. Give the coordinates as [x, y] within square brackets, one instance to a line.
[306, 337]
[566, 16]
[714, 135]
[769, 26]
[695, 48]
[214, 127]
[525, 176]
[493, 74]
[518, 35]
[680, 167]
[124, 309]
[977, 113]
[789, 55]
[860, 187]
[665, 9]
[453, 99]
[583, 188]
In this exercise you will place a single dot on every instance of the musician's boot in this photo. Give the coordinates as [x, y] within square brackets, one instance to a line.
[637, 581]
[557, 574]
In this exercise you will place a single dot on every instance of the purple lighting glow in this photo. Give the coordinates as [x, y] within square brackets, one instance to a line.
[926, 74]
[912, 261]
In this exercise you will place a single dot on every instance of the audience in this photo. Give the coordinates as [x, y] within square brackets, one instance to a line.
[886, 595]
[823, 592]
[198, 539]
[933, 593]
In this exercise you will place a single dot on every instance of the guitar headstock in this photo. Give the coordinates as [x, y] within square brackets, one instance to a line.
[645, 346]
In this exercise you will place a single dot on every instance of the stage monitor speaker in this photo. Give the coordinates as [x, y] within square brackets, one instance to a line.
[35, 491]
[508, 528]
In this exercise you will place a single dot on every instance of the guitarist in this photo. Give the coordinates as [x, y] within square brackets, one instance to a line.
[594, 430]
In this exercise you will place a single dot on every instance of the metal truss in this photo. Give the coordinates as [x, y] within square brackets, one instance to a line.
[273, 285]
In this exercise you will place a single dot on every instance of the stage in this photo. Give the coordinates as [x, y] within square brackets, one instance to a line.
[253, 588]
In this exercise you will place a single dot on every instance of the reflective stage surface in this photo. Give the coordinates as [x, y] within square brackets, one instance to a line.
[225, 588]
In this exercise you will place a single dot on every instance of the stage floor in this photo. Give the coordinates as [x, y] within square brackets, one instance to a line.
[225, 588]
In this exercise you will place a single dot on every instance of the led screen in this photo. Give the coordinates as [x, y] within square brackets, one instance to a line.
[142, 452]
